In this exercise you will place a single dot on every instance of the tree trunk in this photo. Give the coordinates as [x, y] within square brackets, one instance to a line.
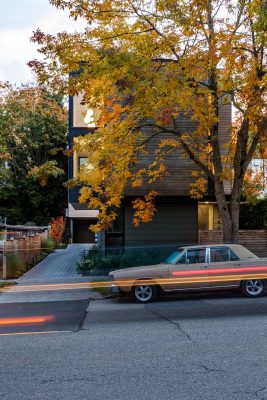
[223, 211]
[229, 212]
[235, 207]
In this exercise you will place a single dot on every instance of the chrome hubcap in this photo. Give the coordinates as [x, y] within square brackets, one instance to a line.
[254, 287]
[143, 293]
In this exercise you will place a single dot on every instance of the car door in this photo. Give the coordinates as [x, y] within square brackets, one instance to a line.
[191, 271]
[223, 266]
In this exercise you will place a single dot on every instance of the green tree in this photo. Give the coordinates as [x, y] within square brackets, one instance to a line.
[33, 136]
[145, 63]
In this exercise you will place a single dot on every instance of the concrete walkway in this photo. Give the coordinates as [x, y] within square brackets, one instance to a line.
[58, 265]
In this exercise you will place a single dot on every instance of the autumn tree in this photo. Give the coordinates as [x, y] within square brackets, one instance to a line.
[58, 228]
[33, 136]
[144, 63]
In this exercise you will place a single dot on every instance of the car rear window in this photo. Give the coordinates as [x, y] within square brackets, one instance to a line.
[222, 254]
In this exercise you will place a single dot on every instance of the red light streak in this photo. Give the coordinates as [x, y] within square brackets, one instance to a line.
[215, 271]
[34, 320]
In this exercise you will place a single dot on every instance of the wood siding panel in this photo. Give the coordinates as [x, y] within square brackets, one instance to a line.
[173, 224]
[179, 179]
[179, 167]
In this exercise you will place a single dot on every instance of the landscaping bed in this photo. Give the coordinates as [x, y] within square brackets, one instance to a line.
[98, 262]
[17, 264]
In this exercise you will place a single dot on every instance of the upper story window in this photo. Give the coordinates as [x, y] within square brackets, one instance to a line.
[82, 161]
[83, 115]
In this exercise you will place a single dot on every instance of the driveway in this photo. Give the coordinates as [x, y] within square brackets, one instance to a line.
[53, 279]
[60, 264]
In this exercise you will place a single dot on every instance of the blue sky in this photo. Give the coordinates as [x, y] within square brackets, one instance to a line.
[18, 18]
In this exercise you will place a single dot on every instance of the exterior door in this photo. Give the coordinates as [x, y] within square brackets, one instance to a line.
[82, 232]
[223, 262]
[193, 267]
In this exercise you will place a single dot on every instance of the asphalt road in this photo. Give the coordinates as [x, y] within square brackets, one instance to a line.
[42, 316]
[192, 348]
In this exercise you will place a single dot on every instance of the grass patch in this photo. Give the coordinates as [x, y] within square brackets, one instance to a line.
[16, 266]
[6, 284]
[103, 291]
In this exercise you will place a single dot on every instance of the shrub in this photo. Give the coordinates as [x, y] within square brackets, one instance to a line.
[47, 245]
[253, 215]
[58, 228]
[96, 261]
[15, 265]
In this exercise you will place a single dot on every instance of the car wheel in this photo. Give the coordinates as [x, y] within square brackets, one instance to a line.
[253, 288]
[144, 293]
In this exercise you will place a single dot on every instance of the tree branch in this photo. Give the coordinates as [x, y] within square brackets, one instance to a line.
[185, 146]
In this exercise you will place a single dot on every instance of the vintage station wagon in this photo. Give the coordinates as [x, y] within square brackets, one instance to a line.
[210, 267]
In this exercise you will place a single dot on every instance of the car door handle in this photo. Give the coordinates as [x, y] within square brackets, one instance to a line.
[236, 264]
[206, 266]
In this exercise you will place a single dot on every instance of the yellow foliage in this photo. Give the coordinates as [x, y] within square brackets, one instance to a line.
[198, 188]
[144, 208]
[150, 65]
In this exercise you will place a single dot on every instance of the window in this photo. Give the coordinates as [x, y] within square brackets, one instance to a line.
[174, 258]
[222, 254]
[195, 256]
[82, 161]
[182, 260]
[115, 234]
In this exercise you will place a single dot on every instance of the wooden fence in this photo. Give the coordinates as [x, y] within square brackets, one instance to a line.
[254, 240]
[27, 247]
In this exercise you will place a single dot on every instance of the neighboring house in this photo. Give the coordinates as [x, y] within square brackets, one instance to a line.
[259, 168]
[10, 232]
[179, 217]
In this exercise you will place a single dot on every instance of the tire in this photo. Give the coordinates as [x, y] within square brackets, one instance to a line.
[144, 293]
[253, 288]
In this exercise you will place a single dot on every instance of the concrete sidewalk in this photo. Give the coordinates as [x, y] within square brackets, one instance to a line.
[60, 290]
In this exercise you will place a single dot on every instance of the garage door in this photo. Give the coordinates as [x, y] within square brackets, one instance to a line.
[173, 224]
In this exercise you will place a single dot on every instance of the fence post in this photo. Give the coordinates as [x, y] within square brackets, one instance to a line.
[4, 261]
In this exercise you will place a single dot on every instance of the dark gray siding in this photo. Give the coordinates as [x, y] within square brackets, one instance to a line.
[179, 179]
[173, 224]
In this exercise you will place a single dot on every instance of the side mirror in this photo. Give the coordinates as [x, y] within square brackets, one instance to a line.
[187, 261]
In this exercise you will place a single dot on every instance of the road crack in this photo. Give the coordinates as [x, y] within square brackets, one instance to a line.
[176, 324]
[259, 396]
[74, 379]
[209, 369]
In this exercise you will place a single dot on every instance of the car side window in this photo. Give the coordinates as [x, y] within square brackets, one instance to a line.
[182, 259]
[195, 256]
[233, 256]
[222, 254]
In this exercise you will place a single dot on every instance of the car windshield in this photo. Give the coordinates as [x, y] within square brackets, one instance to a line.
[174, 257]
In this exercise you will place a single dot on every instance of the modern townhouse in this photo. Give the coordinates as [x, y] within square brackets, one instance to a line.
[179, 217]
